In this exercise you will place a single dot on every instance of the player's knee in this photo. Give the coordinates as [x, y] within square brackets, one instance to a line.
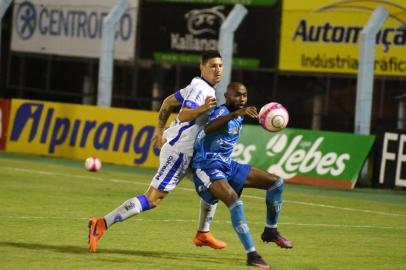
[154, 202]
[230, 197]
[154, 197]
[278, 184]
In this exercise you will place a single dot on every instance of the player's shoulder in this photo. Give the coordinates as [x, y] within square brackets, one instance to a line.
[199, 83]
[222, 108]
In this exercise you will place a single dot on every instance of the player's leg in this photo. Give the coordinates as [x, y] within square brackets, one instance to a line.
[222, 190]
[168, 179]
[273, 185]
[173, 166]
[206, 215]
[225, 193]
[134, 206]
[203, 235]
[211, 189]
[130, 208]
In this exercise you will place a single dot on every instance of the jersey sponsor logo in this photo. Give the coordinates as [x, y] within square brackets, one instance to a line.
[162, 170]
[219, 113]
[189, 104]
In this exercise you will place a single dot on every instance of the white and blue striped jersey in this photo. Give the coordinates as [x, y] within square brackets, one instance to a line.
[182, 135]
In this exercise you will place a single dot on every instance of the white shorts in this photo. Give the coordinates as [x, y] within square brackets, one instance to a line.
[173, 166]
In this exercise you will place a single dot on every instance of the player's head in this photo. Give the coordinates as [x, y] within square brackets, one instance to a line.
[211, 66]
[236, 95]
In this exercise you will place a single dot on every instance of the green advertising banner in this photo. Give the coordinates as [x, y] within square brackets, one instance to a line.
[310, 157]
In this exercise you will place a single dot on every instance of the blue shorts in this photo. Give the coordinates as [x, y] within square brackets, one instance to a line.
[236, 174]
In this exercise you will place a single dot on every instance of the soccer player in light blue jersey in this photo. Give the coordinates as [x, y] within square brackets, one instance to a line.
[218, 177]
[196, 100]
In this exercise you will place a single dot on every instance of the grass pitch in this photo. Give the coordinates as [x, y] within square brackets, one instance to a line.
[45, 204]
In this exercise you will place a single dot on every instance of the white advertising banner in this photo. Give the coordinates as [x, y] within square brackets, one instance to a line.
[70, 28]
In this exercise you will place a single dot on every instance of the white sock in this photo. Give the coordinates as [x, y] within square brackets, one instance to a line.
[128, 209]
[206, 215]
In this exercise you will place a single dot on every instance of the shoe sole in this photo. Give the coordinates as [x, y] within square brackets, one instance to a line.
[259, 265]
[200, 243]
[279, 245]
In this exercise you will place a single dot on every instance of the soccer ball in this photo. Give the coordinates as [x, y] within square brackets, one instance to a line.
[273, 117]
[93, 164]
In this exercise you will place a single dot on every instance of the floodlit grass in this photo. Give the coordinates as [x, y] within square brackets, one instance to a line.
[45, 204]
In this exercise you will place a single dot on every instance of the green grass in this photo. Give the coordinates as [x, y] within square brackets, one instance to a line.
[45, 203]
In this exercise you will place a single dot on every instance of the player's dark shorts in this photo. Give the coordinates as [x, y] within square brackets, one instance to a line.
[236, 174]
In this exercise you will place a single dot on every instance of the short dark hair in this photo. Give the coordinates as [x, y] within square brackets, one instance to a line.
[233, 86]
[209, 54]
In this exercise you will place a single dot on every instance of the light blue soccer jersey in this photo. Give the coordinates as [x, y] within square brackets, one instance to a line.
[213, 150]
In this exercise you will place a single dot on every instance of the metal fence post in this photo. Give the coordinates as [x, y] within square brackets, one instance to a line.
[104, 92]
[365, 77]
[226, 40]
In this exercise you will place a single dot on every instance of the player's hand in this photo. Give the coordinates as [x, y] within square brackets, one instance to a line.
[209, 103]
[157, 139]
[250, 111]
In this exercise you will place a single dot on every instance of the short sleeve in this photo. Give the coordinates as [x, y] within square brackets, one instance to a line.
[194, 99]
[181, 94]
[217, 112]
[179, 97]
[189, 104]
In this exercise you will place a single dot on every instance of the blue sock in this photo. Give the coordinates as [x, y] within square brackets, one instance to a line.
[274, 203]
[240, 225]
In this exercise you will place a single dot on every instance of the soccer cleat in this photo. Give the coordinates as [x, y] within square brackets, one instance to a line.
[207, 239]
[97, 227]
[254, 259]
[272, 235]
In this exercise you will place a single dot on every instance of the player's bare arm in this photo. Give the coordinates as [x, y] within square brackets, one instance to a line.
[221, 121]
[186, 114]
[164, 113]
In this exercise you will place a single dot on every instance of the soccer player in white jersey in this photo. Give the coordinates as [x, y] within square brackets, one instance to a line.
[196, 99]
